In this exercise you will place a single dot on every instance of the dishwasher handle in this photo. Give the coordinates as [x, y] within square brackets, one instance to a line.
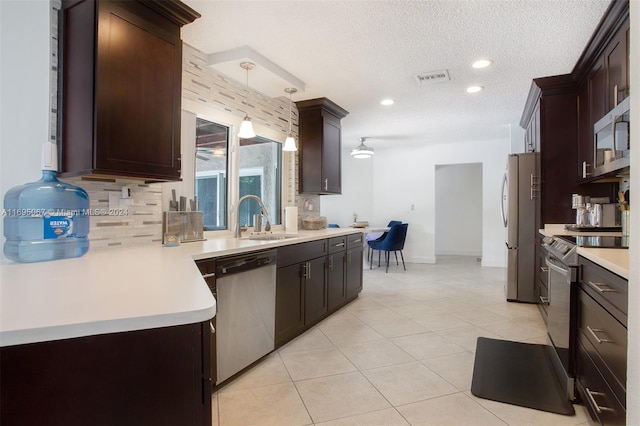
[240, 264]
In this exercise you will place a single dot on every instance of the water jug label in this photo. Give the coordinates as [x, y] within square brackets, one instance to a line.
[58, 227]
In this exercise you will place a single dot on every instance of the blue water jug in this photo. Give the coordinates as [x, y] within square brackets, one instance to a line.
[47, 219]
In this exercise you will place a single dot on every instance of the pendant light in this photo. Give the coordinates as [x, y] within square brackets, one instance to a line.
[246, 128]
[362, 151]
[290, 142]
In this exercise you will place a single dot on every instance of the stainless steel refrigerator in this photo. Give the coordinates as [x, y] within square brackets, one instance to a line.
[519, 204]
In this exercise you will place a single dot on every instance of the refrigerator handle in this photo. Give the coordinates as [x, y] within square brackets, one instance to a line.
[504, 199]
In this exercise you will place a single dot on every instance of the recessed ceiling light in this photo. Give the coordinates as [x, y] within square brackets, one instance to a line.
[387, 102]
[482, 63]
[474, 89]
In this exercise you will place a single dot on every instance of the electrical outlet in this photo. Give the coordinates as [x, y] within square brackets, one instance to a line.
[114, 200]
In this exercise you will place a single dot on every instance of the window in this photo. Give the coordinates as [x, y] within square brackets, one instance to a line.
[259, 173]
[211, 188]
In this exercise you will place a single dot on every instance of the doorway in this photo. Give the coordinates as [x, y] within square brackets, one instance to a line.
[458, 210]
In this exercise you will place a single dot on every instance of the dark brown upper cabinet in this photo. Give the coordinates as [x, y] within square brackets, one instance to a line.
[320, 153]
[119, 90]
[602, 72]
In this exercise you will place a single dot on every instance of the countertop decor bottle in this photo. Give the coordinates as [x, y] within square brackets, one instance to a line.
[47, 219]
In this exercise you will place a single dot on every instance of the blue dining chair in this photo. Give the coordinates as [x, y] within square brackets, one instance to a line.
[380, 238]
[393, 242]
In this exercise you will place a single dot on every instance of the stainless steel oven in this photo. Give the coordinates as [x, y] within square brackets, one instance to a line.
[561, 261]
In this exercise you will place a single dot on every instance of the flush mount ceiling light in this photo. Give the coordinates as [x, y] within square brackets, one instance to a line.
[474, 89]
[387, 102]
[482, 63]
[246, 128]
[290, 142]
[362, 151]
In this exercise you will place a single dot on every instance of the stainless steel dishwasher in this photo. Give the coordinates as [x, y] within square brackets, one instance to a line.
[246, 302]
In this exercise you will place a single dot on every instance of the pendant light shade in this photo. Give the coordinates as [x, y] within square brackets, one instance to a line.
[362, 151]
[246, 128]
[290, 142]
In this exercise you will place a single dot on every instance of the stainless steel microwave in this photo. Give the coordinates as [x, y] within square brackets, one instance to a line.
[611, 141]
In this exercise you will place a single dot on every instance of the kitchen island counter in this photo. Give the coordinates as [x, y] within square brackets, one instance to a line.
[117, 289]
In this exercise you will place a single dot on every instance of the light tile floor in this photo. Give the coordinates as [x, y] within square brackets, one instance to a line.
[401, 354]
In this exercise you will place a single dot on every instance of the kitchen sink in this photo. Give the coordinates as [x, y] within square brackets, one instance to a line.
[271, 237]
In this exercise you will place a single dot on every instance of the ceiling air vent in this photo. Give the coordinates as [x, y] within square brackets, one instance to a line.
[432, 77]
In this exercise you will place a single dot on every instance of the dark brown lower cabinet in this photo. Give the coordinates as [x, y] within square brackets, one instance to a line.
[602, 343]
[289, 304]
[158, 376]
[314, 279]
[336, 286]
[315, 290]
[354, 265]
[336, 278]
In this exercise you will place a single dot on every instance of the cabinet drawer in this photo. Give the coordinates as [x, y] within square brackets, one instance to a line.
[355, 240]
[297, 253]
[597, 395]
[337, 244]
[607, 338]
[607, 288]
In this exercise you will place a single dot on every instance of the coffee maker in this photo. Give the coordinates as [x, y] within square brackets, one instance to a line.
[595, 212]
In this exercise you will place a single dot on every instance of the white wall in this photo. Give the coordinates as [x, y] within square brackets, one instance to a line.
[459, 209]
[357, 193]
[406, 178]
[24, 90]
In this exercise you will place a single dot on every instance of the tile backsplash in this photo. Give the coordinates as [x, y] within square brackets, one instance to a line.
[135, 221]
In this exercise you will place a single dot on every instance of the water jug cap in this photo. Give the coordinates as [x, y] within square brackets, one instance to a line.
[49, 156]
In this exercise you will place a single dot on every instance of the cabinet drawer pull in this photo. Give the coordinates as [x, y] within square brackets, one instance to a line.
[544, 269]
[357, 240]
[602, 287]
[339, 245]
[544, 300]
[593, 332]
[592, 401]
[212, 274]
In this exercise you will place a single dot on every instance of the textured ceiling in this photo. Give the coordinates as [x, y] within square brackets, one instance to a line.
[358, 52]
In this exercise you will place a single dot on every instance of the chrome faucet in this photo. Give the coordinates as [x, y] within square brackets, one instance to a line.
[265, 213]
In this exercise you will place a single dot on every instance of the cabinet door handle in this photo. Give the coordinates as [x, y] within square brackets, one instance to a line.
[585, 174]
[615, 95]
[212, 274]
[212, 328]
[544, 300]
[544, 269]
[593, 332]
[602, 287]
[331, 263]
[326, 184]
[590, 395]
[307, 270]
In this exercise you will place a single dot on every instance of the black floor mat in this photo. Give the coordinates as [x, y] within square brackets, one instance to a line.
[518, 374]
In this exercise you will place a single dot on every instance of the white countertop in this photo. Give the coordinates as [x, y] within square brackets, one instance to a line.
[117, 289]
[615, 260]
